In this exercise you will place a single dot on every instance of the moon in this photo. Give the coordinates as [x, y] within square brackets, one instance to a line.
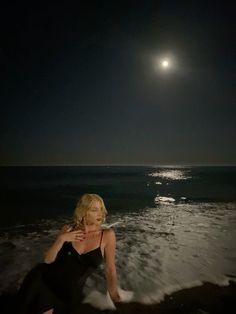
[165, 63]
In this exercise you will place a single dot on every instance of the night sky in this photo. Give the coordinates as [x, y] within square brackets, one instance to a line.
[81, 83]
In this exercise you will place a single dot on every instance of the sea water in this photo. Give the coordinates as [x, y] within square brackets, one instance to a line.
[175, 226]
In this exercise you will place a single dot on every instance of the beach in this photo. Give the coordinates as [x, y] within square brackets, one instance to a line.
[207, 298]
[175, 231]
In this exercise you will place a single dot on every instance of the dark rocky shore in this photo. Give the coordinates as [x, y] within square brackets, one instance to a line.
[208, 298]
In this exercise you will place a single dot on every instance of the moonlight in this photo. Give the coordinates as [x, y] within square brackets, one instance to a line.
[165, 63]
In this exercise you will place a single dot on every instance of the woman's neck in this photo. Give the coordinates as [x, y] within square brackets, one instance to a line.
[91, 228]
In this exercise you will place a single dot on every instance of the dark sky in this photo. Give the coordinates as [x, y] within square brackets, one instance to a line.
[80, 83]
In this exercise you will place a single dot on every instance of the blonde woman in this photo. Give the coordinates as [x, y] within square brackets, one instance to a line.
[56, 285]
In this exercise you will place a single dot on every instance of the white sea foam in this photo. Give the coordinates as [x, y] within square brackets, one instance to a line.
[104, 302]
[107, 226]
[164, 199]
[159, 250]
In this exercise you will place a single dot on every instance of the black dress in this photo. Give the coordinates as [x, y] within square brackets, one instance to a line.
[58, 285]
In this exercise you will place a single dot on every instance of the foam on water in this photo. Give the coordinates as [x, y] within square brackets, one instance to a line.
[164, 199]
[159, 250]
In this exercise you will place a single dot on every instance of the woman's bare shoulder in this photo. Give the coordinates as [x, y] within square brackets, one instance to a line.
[109, 234]
[108, 231]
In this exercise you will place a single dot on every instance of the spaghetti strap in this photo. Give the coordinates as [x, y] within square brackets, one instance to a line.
[101, 238]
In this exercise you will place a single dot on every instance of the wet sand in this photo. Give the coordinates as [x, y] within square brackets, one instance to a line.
[208, 298]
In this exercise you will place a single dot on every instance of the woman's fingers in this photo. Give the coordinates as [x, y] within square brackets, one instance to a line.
[77, 235]
[80, 238]
[78, 232]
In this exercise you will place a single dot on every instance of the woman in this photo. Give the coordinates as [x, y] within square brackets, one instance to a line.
[56, 285]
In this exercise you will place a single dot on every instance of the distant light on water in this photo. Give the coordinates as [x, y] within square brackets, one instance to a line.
[171, 174]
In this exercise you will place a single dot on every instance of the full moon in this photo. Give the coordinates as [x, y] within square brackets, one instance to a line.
[165, 63]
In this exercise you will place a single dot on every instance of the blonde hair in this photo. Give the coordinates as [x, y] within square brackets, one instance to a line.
[83, 205]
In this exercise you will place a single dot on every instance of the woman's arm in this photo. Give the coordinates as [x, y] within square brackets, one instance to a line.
[51, 253]
[110, 267]
[65, 235]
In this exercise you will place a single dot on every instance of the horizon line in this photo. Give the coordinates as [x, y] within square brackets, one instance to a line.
[123, 164]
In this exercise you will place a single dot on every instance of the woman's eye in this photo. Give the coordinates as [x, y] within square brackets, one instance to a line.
[95, 209]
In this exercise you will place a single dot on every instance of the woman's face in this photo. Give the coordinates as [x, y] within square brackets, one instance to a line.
[94, 214]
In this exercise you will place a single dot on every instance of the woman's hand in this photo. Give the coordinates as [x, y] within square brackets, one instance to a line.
[115, 297]
[67, 235]
[64, 235]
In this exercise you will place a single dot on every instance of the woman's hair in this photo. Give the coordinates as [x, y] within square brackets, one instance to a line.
[83, 205]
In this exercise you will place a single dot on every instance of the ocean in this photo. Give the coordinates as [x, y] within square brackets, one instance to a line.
[175, 225]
